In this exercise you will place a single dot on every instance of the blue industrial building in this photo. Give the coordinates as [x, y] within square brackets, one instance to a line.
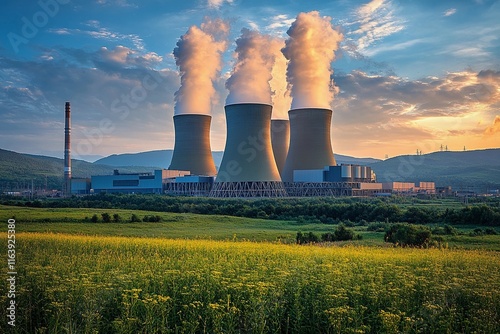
[133, 183]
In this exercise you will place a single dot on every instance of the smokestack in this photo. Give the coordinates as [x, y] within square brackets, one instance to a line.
[280, 139]
[67, 151]
[248, 168]
[310, 144]
[192, 150]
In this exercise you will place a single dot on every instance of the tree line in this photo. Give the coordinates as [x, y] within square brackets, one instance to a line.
[325, 210]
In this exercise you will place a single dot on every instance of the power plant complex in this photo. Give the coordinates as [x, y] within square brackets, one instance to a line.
[262, 157]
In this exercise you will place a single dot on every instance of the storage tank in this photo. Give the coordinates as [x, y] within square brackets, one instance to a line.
[363, 172]
[280, 139]
[357, 172]
[248, 168]
[346, 171]
[310, 145]
[192, 150]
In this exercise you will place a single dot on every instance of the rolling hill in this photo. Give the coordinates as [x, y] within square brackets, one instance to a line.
[17, 170]
[477, 170]
[473, 170]
[162, 158]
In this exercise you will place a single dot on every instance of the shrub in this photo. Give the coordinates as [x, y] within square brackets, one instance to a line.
[106, 218]
[408, 235]
[306, 238]
[94, 218]
[341, 233]
[117, 218]
[134, 218]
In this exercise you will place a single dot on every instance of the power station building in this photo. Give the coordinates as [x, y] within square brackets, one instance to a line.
[134, 183]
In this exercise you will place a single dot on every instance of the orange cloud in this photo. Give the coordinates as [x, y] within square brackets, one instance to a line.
[493, 129]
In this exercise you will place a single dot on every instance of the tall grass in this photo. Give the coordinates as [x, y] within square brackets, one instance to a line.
[83, 284]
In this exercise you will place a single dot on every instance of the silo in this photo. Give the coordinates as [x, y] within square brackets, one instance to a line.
[346, 171]
[357, 172]
[280, 139]
[310, 145]
[248, 168]
[192, 150]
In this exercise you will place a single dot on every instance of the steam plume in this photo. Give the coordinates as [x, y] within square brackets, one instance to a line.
[310, 50]
[255, 56]
[198, 55]
[281, 96]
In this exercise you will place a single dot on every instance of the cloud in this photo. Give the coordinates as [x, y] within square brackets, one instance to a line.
[391, 111]
[126, 94]
[217, 3]
[450, 12]
[101, 33]
[375, 20]
[494, 128]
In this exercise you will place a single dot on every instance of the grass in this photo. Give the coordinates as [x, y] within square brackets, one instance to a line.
[195, 226]
[70, 283]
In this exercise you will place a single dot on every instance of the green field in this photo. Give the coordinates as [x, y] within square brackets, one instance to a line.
[194, 273]
[95, 284]
[196, 226]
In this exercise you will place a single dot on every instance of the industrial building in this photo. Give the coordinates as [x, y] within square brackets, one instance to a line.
[134, 183]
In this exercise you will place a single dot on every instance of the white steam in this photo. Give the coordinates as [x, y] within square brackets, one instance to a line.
[198, 55]
[310, 50]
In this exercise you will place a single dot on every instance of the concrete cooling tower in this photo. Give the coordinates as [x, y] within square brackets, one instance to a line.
[280, 139]
[192, 150]
[310, 145]
[248, 168]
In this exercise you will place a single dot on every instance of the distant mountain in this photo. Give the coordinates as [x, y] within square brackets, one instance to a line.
[476, 170]
[18, 170]
[345, 159]
[162, 158]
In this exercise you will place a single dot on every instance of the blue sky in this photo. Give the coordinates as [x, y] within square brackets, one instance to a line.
[410, 74]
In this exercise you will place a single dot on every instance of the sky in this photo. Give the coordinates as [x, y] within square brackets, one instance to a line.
[408, 75]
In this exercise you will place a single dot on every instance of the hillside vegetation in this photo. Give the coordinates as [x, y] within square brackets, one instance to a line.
[469, 170]
[18, 170]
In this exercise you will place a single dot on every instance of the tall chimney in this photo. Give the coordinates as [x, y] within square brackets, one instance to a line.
[67, 151]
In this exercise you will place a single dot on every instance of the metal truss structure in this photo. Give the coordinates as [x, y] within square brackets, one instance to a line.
[188, 188]
[248, 189]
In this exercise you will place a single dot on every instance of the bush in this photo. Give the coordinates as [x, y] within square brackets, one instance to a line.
[408, 235]
[306, 238]
[94, 218]
[341, 233]
[134, 218]
[117, 218]
[152, 219]
[490, 231]
[106, 218]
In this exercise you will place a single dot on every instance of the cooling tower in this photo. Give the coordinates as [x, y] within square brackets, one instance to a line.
[310, 145]
[248, 168]
[67, 150]
[192, 150]
[280, 139]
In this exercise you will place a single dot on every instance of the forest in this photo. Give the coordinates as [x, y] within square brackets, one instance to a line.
[326, 210]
